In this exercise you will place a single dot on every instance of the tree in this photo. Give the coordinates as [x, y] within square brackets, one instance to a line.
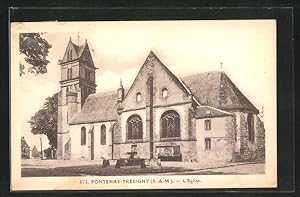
[36, 49]
[44, 121]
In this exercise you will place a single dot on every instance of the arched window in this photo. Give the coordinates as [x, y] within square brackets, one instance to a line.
[103, 135]
[83, 136]
[170, 124]
[134, 128]
[138, 97]
[164, 92]
[250, 123]
[69, 74]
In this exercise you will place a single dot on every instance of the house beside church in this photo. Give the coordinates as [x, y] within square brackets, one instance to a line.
[25, 149]
[199, 117]
[35, 153]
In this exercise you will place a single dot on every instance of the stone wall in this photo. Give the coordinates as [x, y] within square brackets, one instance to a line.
[251, 151]
[245, 153]
[260, 140]
[67, 149]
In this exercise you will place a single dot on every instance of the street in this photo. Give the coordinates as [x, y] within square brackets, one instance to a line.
[42, 168]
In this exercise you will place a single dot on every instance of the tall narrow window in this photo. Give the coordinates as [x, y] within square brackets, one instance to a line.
[87, 74]
[103, 135]
[68, 55]
[134, 128]
[69, 73]
[207, 124]
[83, 136]
[207, 143]
[71, 55]
[250, 123]
[170, 124]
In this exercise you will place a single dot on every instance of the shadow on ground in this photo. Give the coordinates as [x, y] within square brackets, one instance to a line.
[96, 170]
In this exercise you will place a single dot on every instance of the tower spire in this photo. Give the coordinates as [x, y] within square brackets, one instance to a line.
[120, 92]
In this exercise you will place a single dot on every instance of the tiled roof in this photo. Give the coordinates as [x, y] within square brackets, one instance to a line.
[208, 112]
[98, 107]
[213, 89]
[79, 49]
[217, 90]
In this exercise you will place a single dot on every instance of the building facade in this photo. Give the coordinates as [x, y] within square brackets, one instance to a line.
[194, 118]
[25, 149]
[35, 154]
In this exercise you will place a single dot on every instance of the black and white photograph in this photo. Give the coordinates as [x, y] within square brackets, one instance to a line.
[143, 104]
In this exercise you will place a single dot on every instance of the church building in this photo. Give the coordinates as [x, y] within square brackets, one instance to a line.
[201, 117]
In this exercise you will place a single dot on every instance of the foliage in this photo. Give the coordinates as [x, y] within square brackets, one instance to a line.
[36, 50]
[45, 120]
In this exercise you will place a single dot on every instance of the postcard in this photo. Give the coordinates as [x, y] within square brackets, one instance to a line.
[120, 105]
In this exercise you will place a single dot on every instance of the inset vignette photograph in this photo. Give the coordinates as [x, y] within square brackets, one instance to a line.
[120, 105]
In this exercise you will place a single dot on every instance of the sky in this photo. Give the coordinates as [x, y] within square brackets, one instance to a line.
[246, 49]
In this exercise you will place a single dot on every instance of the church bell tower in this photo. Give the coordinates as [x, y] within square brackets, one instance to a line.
[77, 82]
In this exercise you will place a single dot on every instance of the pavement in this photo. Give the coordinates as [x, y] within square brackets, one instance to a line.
[53, 163]
[37, 167]
[236, 169]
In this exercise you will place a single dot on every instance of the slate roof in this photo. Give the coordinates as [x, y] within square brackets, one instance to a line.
[214, 90]
[217, 90]
[79, 49]
[99, 107]
[208, 112]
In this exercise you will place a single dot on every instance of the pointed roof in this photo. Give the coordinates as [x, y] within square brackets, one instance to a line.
[211, 88]
[152, 58]
[78, 50]
[23, 142]
[217, 90]
[34, 148]
[213, 91]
